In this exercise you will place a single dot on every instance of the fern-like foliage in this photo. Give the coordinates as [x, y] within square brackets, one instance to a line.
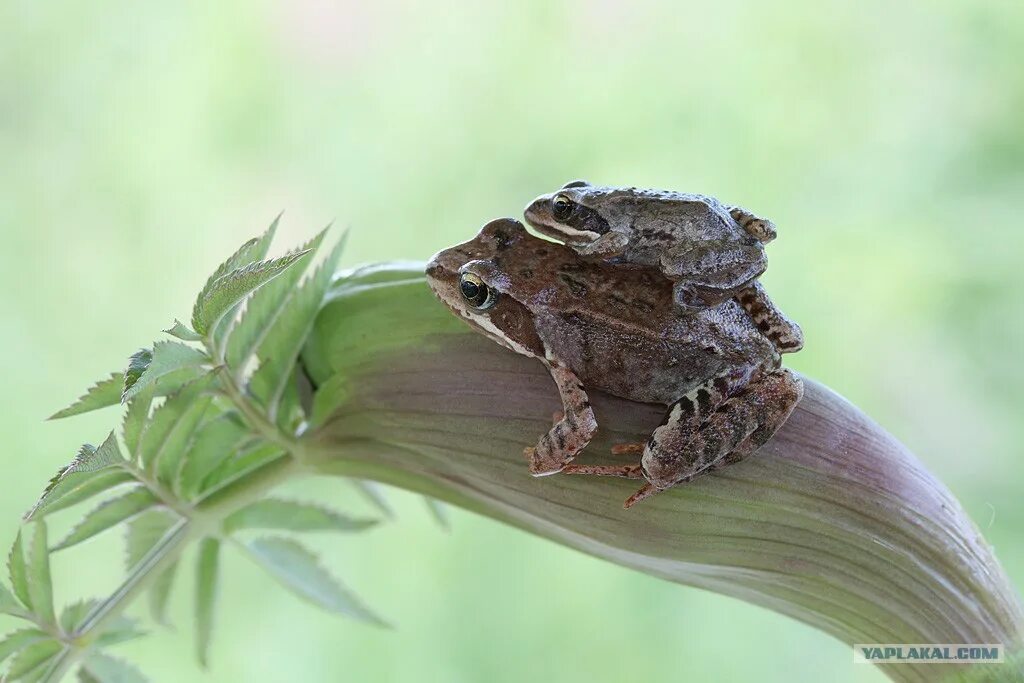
[209, 417]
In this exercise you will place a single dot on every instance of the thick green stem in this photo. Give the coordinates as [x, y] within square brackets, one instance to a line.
[834, 522]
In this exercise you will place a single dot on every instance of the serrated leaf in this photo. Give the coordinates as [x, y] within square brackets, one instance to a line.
[108, 514]
[9, 604]
[104, 393]
[299, 571]
[83, 470]
[169, 459]
[144, 532]
[40, 586]
[17, 640]
[264, 309]
[217, 440]
[18, 572]
[234, 467]
[72, 615]
[138, 362]
[183, 332]
[281, 347]
[135, 420]
[166, 358]
[100, 482]
[371, 491]
[206, 596]
[439, 512]
[251, 250]
[229, 289]
[288, 515]
[32, 658]
[102, 668]
[171, 424]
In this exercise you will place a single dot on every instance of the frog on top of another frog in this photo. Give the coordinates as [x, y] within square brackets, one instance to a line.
[613, 327]
[710, 252]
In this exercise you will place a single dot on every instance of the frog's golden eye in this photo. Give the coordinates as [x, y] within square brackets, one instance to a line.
[476, 292]
[561, 207]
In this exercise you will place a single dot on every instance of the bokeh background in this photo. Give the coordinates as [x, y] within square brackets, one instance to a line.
[141, 142]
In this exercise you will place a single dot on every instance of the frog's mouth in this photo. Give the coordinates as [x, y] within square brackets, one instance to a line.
[538, 215]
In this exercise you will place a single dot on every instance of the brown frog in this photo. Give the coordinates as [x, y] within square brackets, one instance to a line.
[711, 252]
[613, 327]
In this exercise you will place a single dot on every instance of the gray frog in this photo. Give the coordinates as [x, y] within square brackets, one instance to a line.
[613, 327]
[711, 252]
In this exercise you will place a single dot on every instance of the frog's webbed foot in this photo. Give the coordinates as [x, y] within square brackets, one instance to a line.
[571, 432]
[711, 272]
[737, 428]
[784, 334]
[761, 229]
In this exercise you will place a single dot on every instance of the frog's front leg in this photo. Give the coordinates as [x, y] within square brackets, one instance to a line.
[608, 245]
[710, 272]
[571, 433]
[760, 228]
[741, 425]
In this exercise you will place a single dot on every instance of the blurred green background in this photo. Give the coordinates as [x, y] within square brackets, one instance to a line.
[141, 142]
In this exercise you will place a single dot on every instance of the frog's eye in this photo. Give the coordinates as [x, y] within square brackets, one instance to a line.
[561, 207]
[476, 291]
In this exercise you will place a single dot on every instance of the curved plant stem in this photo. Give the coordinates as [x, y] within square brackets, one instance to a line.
[833, 523]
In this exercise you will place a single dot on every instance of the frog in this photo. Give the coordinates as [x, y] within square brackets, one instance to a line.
[597, 325]
[711, 251]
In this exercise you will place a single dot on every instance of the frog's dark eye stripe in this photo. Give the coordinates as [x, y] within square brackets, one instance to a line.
[561, 207]
[476, 292]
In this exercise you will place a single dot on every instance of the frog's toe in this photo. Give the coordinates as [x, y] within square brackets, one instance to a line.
[634, 448]
[541, 466]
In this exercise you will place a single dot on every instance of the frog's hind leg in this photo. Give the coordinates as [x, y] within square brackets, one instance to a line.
[783, 333]
[761, 229]
[571, 432]
[711, 272]
[740, 426]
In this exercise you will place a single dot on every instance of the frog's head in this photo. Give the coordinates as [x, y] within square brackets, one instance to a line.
[473, 281]
[576, 214]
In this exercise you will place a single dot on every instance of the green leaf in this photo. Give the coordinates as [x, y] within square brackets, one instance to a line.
[183, 332]
[439, 512]
[172, 424]
[371, 491]
[233, 468]
[32, 658]
[264, 309]
[9, 604]
[40, 586]
[80, 475]
[169, 461]
[217, 440]
[206, 596]
[144, 532]
[279, 349]
[227, 290]
[99, 482]
[138, 362]
[287, 515]
[20, 639]
[104, 393]
[108, 514]
[166, 358]
[298, 570]
[254, 249]
[102, 668]
[18, 572]
[135, 420]
[74, 614]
